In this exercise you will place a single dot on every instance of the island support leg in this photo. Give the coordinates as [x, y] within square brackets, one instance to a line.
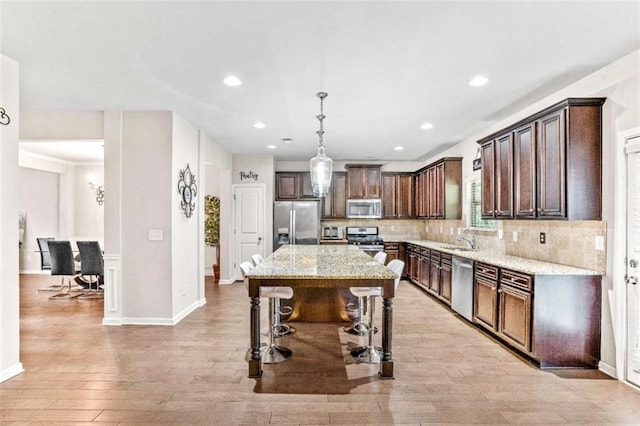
[255, 362]
[386, 365]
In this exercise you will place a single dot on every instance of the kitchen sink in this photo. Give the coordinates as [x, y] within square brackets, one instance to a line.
[457, 248]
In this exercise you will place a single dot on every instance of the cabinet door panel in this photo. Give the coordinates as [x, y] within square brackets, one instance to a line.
[525, 171]
[372, 182]
[404, 203]
[515, 316]
[306, 191]
[339, 195]
[504, 176]
[445, 281]
[355, 182]
[389, 196]
[551, 166]
[287, 186]
[488, 180]
[485, 308]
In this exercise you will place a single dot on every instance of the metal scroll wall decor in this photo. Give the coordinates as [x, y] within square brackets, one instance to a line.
[4, 117]
[188, 190]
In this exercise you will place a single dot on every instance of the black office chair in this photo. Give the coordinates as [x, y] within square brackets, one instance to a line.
[91, 267]
[45, 261]
[63, 264]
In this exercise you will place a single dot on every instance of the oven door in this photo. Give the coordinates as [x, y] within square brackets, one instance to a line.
[372, 249]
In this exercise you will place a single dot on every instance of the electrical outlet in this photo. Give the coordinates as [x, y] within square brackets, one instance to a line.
[543, 238]
[452, 230]
[155, 235]
[599, 243]
[515, 235]
[459, 231]
[442, 229]
[500, 234]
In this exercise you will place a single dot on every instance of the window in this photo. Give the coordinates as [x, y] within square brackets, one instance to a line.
[475, 207]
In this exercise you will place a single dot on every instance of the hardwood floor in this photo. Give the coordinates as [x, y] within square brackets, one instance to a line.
[78, 371]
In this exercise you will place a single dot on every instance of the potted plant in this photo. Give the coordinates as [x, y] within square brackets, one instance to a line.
[212, 229]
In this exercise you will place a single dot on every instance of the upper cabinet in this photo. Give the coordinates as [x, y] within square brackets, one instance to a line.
[334, 204]
[547, 166]
[438, 190]
[363, 181]
[293, 186]
[397, 195]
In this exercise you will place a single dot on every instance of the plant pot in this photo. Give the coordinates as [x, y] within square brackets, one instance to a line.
[216, 273]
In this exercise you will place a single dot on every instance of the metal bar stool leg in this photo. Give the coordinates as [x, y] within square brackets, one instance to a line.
[369, 354]
[272, 353]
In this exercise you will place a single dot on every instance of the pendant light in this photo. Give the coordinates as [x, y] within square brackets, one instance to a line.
[321, 165]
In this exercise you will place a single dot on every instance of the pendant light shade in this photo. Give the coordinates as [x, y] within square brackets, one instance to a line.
[321, 166]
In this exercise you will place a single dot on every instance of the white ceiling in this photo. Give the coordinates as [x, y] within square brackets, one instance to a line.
[387, 66]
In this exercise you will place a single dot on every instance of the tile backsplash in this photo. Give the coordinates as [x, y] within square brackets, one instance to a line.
[575, 243]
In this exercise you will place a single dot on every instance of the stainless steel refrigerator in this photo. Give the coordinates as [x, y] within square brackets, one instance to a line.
[296, 222]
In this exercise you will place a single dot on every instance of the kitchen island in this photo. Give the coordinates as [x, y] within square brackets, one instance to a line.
[323, 267]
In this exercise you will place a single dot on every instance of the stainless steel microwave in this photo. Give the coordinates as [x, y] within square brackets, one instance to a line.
[370, 208]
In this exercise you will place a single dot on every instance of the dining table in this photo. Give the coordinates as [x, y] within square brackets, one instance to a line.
[325, 267]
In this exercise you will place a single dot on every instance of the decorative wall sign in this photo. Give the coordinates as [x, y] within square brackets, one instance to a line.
[4, 118]
[249, 175]
[188, 190]
[477, 164]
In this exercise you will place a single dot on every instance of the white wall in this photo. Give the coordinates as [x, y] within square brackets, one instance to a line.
[10, 364]
[186, 243]
[61, 125]
[88, 215]
[39, 197]
[146, 200]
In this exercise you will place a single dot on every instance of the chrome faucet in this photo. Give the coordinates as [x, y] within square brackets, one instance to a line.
[471, 240]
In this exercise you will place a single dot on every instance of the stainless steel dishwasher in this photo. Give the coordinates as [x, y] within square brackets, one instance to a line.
[462, 287]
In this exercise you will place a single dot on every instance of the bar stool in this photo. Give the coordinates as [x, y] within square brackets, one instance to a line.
[279, 329]
[271, 353]
[370, 353]
[359, 326]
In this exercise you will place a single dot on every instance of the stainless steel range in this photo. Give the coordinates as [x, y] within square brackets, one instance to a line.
[366, 238]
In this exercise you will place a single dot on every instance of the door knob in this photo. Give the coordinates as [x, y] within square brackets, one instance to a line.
[259, 239]
[631, 280]
[633, 263]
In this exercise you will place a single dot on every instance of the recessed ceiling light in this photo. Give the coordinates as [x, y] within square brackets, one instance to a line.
[259, 125]
[271, 146]
[478, 80]
[426, 126]
[399, 148]
[232, 81]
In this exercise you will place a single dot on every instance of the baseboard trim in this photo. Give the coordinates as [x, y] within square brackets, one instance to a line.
[607, 369]
[111, 321]
[34, 272]
[10, 372]
[195, 305]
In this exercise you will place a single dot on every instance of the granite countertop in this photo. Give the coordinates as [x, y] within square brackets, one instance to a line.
[520, 264]
[321, 261]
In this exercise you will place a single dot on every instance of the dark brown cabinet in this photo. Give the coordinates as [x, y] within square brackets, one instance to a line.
[556, 162]
[397, 195]
[363, 181]
[514, 308]
[525, 171]
[445, 278]
[293, 186]
[488, 201]
[334, 204]
[485, 280]
[395, 250]
[438, 188]
[553, 319]
[412, 266]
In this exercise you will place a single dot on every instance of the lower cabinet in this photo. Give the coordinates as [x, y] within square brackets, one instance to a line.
[485, 303]
[430, 270]
[553, 319]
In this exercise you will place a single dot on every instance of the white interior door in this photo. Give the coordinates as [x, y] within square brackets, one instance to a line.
[248, 224]
[633, 261]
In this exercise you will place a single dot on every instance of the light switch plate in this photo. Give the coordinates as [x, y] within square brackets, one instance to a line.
[155, 235]
[599, 243]
[500, 234]
[515, 235]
